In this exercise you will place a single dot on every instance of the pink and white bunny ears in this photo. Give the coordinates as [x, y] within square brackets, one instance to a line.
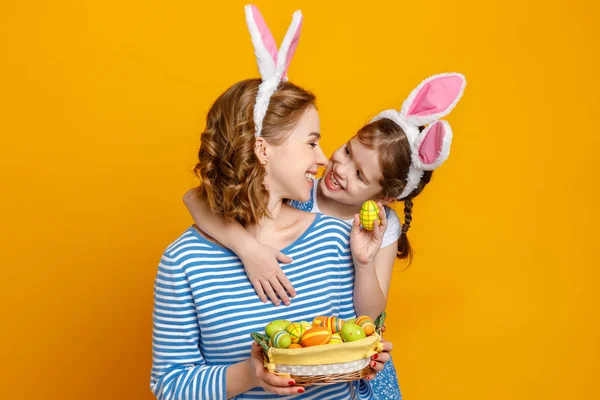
[272, 63]
[433, 99]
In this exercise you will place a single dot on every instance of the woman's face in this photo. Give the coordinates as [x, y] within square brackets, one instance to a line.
[292, 166]
[353, 174]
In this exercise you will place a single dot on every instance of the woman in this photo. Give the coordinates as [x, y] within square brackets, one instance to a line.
[205, 306]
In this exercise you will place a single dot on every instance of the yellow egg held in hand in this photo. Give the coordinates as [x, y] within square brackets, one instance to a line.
[368, 214]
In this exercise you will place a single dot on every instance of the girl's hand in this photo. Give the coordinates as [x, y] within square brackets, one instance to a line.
[267, 380]
[263, 270]
[378, 360]
[365, 244]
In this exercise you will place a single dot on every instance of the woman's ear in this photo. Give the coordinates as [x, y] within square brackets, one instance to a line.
[260, 149]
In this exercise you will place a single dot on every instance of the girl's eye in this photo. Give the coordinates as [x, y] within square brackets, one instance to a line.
[313, 145]
[358, 176]
[346, 150]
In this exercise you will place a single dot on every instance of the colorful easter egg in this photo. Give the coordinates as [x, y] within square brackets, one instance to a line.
[306, 325]
[334, 324]
[366, 323]
[315, 336]
[368, 214]
[352, 332]
[318, 321]
[282, 340]
[335, 339]
[295, 346]
[351, 320]
[276, 326]
[296, 330]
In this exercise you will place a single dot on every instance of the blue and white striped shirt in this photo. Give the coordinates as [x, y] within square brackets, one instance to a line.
[205, 309]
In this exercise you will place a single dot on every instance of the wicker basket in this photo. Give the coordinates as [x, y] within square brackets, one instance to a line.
[325, 364]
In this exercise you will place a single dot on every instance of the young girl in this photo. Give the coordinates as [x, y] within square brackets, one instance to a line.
[391, 158]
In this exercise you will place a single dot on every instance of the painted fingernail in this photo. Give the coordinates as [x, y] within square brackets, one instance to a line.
[368, 378]
[300, 390]
[374, 357]
[373, 364]
[291, 383]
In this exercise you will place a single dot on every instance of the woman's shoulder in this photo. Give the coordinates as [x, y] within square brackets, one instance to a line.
[191, 244]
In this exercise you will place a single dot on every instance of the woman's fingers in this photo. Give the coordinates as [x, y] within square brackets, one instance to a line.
[268, 380]
[387, 346]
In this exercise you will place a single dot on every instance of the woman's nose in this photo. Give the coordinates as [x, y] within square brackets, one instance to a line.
[322, 160]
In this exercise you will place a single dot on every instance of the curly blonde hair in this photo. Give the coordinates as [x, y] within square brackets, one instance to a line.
[232, 178]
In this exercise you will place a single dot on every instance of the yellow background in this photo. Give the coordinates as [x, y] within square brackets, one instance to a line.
[102, 106]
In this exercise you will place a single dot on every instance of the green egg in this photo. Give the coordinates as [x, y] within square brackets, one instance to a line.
[282, 340]
[276, 326]
[351, 332]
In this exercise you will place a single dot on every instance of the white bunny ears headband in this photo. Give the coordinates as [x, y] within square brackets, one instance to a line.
[272, 63]
[433, 99]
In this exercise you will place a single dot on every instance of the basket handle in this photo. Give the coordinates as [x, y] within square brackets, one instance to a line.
[379, 323]
[261, 339]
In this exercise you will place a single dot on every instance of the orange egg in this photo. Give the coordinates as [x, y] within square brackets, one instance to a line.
[295, 346]
[318, 321]
[315, 336]
[366, 323]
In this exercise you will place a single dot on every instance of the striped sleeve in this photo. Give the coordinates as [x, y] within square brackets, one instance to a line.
[179, 370]
[363, 389]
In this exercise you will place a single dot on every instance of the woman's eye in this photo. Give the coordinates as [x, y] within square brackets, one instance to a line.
[313, 145]
[346, 150]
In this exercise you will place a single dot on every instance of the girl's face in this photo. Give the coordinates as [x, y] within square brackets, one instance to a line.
[292, 166]
[353, 174]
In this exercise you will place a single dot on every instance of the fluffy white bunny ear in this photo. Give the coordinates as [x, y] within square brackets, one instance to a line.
[433, 146]
[434, 98]
[265, 46]
[289, 44]
[272, 63]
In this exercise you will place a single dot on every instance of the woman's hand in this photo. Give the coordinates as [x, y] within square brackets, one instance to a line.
[365, 244]
[263, 270]
[378, 360]
[267, 380]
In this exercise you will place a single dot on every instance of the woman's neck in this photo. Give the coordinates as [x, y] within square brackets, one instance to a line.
[269, 225]
[284, 227]
[335, 208]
